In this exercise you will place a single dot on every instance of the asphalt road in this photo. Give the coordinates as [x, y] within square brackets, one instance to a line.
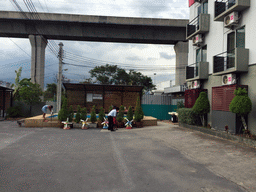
[162, 158]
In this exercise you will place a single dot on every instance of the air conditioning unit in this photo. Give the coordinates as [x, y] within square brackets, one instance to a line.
[231, 19]
[228, 79]
[196, 84]
[189, 85]
[197, 40]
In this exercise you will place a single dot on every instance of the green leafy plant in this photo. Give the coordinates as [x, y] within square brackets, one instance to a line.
[188, 116]
[120, 116]
[70, 113]
[63, 113]
[138, 115]
[93, 115]
[84, 113]
[78, 114]
[130, 114]
[180, 104]
[101, 114]
[241, 105]
[15, 111]
[202, 107]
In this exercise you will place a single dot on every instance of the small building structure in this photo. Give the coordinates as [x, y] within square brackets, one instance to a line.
[88, 95]
[6, 97]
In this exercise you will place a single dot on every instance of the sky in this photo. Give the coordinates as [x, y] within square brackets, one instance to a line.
[155, 61]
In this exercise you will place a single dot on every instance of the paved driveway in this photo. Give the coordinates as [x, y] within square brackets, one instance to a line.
[162, 158]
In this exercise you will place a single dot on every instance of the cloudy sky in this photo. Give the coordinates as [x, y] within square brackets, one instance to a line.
[145, 58]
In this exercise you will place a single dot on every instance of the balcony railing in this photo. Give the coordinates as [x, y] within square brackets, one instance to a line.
[225, 7]
[235, 60]
[197, 71]
[200, 24]
[192, 71]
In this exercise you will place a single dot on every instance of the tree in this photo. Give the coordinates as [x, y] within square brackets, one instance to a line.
[30, 92]
[120, 115]
[202, 106]
[78, 114]
[50, 93]
[111, 74]
[63, 113]
[130, 114]
[138, 115]
[93, 115]
[84, 113]
[17, 85]
[101, 114]
[241, 105]
[70, 113]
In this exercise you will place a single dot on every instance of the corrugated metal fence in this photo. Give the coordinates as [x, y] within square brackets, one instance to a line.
[157, 106]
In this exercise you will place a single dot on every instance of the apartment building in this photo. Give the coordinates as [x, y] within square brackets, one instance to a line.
[222, 57]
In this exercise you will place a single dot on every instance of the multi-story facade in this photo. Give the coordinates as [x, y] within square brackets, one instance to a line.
[222, 56]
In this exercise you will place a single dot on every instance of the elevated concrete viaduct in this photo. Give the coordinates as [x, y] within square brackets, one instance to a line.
[42, 26]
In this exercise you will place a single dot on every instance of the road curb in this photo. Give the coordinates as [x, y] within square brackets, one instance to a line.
[222, 134]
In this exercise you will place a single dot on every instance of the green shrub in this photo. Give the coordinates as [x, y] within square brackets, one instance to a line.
[84, 113]
[202, 107]
[241, 104]
[180, 104]
[93, 115]
[120, 116]
[188, 116]
[70, 113]
[101, 114]
[78, 114]
[15, 111]
[63, 113]
[138, 115]
[130, 114]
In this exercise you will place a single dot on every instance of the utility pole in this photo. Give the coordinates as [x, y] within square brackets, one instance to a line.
[59, 78]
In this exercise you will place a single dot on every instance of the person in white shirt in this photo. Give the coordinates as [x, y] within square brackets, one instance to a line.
[111, 114]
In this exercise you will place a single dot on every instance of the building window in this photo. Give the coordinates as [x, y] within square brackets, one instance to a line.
[240, 37]
[203, 8]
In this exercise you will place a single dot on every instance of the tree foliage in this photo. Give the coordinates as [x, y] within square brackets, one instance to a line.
[101, 114]
[138, 114]
[78, 114]
[70, 113]
[202, 106]
[111, 74]
[120, 116]
[241, 103]
[130, 114]
[84, 113]
[93, 115]
[50, 93]
[17, 85]
[63, 113]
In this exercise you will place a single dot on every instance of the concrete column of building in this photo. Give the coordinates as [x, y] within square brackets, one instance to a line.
[181, 50]
[38, 45]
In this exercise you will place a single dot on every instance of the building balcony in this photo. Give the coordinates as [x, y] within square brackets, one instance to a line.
[197, 71]
[198, 25]
[225, 7]
[233, 61]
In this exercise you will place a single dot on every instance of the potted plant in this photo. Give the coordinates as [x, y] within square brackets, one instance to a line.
[120, 117]
[101, 117]
[138, 115]
[242, 106]
[63, 113]
[129, 118]
[83, 114]
[93, 118]
[202, 107]
[78, 117]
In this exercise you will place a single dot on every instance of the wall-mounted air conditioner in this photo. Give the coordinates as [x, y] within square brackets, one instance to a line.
[196, 84]
[197, 40]
[189, 85]
[228, 79]
[231, 19]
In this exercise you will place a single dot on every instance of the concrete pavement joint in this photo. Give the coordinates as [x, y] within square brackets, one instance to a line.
[126, 177]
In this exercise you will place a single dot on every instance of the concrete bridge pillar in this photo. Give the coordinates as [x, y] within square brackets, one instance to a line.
[181, 50]
[38, 45]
